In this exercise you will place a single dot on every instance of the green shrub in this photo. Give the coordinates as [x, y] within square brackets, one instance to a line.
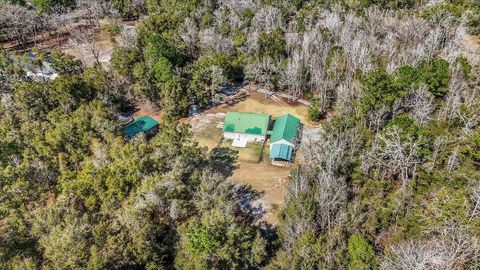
[315, 112]
[361, 254]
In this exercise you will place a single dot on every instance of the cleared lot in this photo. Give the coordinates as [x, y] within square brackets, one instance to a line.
[250, 169]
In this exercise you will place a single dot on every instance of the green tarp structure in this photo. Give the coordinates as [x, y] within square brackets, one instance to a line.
[249, 123]
[141, 124]
[285, 127]
[281, 151]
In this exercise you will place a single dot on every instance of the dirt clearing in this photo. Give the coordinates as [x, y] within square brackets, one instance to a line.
[275, 106]
[207, 129]
[265, 178]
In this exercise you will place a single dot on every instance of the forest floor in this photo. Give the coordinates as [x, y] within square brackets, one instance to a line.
[250, 169]
[104, 47]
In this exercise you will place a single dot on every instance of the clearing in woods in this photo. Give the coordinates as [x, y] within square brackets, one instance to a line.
[262, 176]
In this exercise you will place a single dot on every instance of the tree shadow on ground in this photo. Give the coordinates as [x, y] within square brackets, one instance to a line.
[222, 160]
[248, 209]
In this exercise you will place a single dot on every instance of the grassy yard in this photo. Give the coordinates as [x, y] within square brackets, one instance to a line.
[251, 153]
[209, 137]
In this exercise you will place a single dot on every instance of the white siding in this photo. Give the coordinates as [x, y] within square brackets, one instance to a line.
[248, 137]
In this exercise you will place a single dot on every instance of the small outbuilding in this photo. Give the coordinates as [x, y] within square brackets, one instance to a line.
[284, 139]
[143, 124]
[245, 127]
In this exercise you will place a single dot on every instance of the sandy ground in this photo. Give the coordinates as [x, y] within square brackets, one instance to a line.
[103, 45]
[471, 48]
[207, 128]
[63, 41]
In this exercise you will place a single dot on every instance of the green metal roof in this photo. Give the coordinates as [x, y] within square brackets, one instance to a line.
[141, 124]
[250, 123]
[286, 127]
[281, 151]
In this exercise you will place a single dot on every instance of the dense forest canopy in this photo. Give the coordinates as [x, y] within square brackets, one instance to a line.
[392, 180]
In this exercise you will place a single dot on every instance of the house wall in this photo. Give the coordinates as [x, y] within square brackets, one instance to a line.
[248, 137]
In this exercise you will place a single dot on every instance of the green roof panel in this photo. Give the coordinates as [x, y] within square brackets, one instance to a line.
[281, 151]
[141, 124]
[286, 127]
[250, 123]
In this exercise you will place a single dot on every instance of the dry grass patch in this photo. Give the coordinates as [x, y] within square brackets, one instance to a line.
[207, 129]
[251, 153]
[209, 137]
[274, 106]
[265, 178]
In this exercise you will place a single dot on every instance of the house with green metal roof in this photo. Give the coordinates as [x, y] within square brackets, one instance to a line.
[245, 127]
[285, 130]
[284, 137]
[143, 124]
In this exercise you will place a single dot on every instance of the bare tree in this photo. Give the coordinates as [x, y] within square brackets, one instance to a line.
[211, 40]
[293, 75]
[326, 158]
[450, 248]
[218, 79]
[189, 33]
[462, 101]
[267, 19]
[377, 119]
[475, 200]
[128, 37]
[85, 37]
[18, 22]
[261, 71]
[392, 155]
[421, 106]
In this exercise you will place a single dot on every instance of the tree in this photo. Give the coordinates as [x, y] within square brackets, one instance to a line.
[130, 8]
[379, 90]
[396, 151]
[450, 249]
[48, 5]
[272, 44]
[65, 64]
[217, 241]
[315, 111]
[86, 36]
[436, 75]
[361, 253]
[124, 59]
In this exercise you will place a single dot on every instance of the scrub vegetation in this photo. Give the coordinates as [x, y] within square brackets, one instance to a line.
[389, 181]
